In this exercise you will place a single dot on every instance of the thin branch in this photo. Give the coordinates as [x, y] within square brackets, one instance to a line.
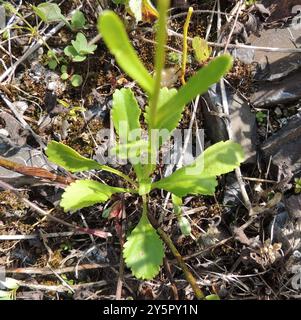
[62, 288]
[46, 271]
[183, 14]
[171, 279]
[239, 46]
[17, 237]
[233, 27]
[120, 227]
[188, 275]
[34, 172]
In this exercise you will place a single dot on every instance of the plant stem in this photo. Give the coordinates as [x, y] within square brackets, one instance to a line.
[185, 47]
[161, 39]
[144, 205]
[188, 275]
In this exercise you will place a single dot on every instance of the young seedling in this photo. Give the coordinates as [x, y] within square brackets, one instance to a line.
[50, 12]
[183, 222]
[143, 250]
[52, 60]
[33, 30]
[261, 117]
[174, 58]
[201, 49]
[11, 286]
[297, 185]
[78, 20]
[79, 48]
[76, 80]
[73, 110]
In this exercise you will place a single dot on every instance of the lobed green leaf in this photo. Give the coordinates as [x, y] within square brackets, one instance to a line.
[202, 51]
[85, 193]
[68, 158]
[200, 177]
[126, 114]
[73, 54]
[143, 251]
[80, 43]
[78, 20]
[49, 12]
[76, 80]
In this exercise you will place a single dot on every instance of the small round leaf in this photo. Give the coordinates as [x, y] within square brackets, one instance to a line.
[52, 64]
[64, 76]
[184, 226]
[76, 80]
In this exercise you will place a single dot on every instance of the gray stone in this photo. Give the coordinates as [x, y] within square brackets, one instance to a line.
[13, 129]
[20, 106]
[280, 10]
[283, 148]
[4, 132]
[243, 126]
[278, 92]
[243, 123]
[244, 55]
[279, 72]
[293, 206]
[52, 80]
[278, 111]
[276, 38]
[24, 155]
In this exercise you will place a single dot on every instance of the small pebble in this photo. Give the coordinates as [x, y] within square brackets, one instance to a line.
[52, 86]
[4, 132]
[278, 111]
[40, 51]
[21, 106]
[244, 55]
